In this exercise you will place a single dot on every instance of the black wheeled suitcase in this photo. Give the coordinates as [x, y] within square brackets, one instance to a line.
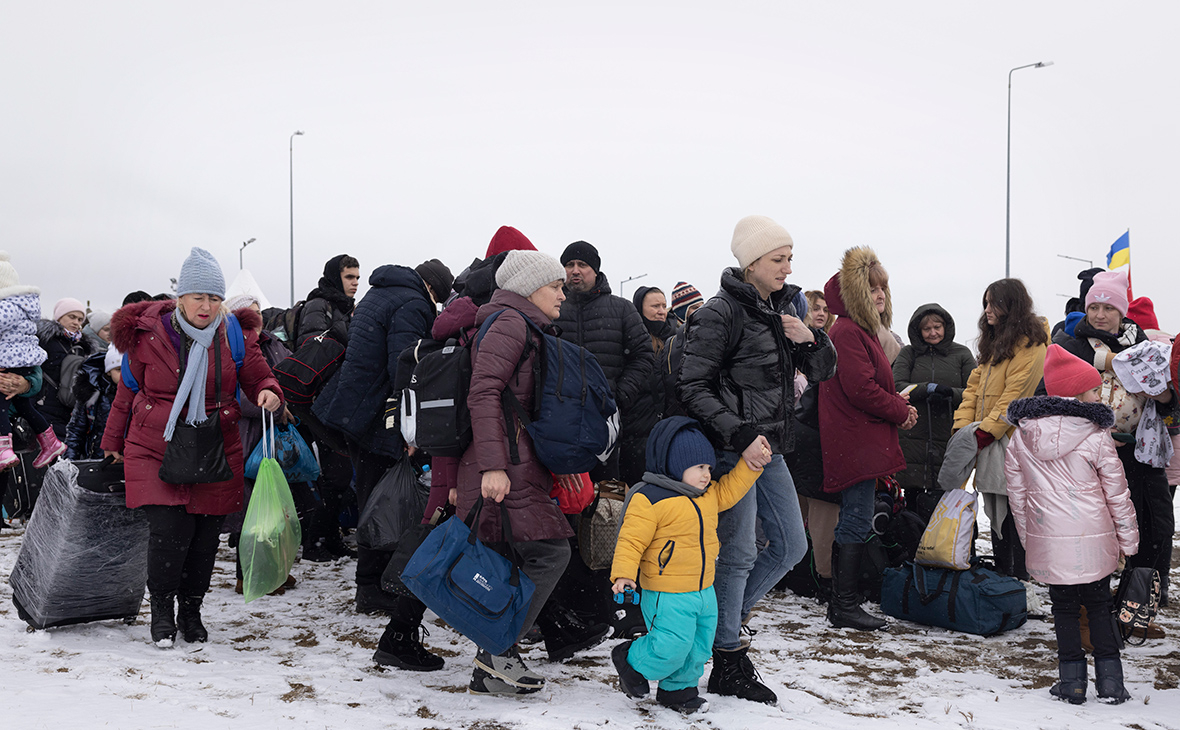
[84, 554]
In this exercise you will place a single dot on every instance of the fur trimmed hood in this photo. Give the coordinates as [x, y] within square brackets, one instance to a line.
[849, 293]
[1052, 427]
[126, 320]
[1050, 405]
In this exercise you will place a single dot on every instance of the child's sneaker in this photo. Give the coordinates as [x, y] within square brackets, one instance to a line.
[51, 448]
[632, 683]
[686, 701]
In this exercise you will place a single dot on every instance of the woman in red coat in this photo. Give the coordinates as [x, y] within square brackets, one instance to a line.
[173, 349]
[859, 414]
[530, 286]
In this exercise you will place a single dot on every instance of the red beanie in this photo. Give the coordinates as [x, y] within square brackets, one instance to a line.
[508, 239]
[1142, 312]
[1067, 375]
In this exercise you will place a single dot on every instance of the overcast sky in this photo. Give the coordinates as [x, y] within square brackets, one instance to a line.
[134, 130]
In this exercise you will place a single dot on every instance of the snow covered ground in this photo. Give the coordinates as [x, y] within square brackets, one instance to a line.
[304, 660]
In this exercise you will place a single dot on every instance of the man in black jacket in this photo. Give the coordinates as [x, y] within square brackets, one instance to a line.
[328, 308]
[610, 328]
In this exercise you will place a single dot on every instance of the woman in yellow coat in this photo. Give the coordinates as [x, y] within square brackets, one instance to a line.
[1012, 345]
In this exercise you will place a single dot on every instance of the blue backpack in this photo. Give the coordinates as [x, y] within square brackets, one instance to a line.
[575, 421]
[237, 348]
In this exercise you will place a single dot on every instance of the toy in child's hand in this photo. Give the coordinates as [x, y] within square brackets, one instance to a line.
[627, 596]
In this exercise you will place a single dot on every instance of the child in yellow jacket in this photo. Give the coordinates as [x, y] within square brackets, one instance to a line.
[669, 540]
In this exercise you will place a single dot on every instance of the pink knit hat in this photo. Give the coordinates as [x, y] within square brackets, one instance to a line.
[67, 305]
[1067, 375]
[1110, 287]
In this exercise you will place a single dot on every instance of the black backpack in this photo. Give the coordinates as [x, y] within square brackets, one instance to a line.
[433, 412]
[70, 365]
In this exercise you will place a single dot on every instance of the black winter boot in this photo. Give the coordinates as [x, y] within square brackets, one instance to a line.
[1072, 685]
[631, 682]
[401, 646]
[844, 609]
[823, 592]
[685, 701]
[163, 619]
[734, 675]
[1108, 681]
[188, 620]
[565, 634]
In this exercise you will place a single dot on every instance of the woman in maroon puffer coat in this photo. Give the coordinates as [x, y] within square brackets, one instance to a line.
[530, 286]
[859, 414]
[184, 519]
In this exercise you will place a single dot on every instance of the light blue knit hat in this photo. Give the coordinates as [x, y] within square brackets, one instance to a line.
[200, 274]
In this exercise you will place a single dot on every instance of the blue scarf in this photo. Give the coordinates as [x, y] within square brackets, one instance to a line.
[192, 386]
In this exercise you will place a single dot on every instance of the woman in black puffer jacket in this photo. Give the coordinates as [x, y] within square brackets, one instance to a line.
[61, 338]
[737, 378]
[651, 404]
[938, 369]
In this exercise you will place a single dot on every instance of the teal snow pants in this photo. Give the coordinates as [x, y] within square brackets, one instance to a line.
[679, 639]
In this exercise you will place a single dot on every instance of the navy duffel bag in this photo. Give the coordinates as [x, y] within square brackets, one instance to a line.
[976, 600]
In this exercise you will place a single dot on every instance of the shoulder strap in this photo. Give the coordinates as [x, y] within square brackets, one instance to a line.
[237, 341]
[126, 376]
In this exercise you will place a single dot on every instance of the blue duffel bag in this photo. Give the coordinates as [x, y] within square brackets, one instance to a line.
[976, 600]
[476, 590]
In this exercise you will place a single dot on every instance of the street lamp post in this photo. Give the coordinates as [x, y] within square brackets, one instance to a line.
[1008, 195]
[241, 265]
[291, 153]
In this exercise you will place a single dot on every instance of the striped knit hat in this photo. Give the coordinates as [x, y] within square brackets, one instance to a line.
[684, 295]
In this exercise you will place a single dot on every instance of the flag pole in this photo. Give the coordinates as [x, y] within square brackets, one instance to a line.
[1130, 293]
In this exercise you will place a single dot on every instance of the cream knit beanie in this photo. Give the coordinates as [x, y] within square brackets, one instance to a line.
[755, 236]
[524, 272]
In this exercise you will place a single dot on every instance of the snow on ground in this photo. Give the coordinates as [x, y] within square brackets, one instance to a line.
[304, 660]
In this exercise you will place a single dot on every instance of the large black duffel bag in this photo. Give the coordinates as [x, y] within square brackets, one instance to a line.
[976, 600]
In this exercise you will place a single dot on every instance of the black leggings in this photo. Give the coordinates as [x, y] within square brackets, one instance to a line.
[181, 550]
[1067, 603]
[24, 407]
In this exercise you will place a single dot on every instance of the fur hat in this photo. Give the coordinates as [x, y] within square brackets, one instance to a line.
[98, 320]
[1141, 310]
[438, 276]
[1110, 287]
[684, 295]
[689, 448]
[524, 272]
[200, 274]
[755, 236]
[582, 251]
[854, 290]
[1067, 375]
[114, 359]
[10, 285]
[67, 305]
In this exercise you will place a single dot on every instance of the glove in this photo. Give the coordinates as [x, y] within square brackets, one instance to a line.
[983, 438]
[942, 391]
[920, 392]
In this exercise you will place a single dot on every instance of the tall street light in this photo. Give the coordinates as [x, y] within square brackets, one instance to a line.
[291, 152]
[1008, 196]
[240, 251]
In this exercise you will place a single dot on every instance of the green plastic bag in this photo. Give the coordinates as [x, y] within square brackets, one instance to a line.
[270, 532]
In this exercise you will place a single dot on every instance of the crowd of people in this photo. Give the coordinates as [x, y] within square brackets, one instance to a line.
[761, 428]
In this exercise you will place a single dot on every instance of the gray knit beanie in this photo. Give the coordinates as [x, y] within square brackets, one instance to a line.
[524, 272]
[755, 236]
[200, 274]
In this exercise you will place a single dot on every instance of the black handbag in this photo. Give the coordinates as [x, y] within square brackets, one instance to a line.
[196, 453]
[1136, 602]
[408, 544]
[303, 375]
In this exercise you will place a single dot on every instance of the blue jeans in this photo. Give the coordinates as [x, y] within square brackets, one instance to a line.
[856, 512]
[679, 640]
[744, 575]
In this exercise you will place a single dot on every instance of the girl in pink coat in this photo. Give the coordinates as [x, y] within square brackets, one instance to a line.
[1072, 510]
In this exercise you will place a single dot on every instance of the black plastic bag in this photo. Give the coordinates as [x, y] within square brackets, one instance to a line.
[397, 502]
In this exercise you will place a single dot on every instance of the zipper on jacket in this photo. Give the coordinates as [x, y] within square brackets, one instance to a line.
[700, 540]
[662, 560]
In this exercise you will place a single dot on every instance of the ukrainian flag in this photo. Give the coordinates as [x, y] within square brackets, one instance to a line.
[1120, 252]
